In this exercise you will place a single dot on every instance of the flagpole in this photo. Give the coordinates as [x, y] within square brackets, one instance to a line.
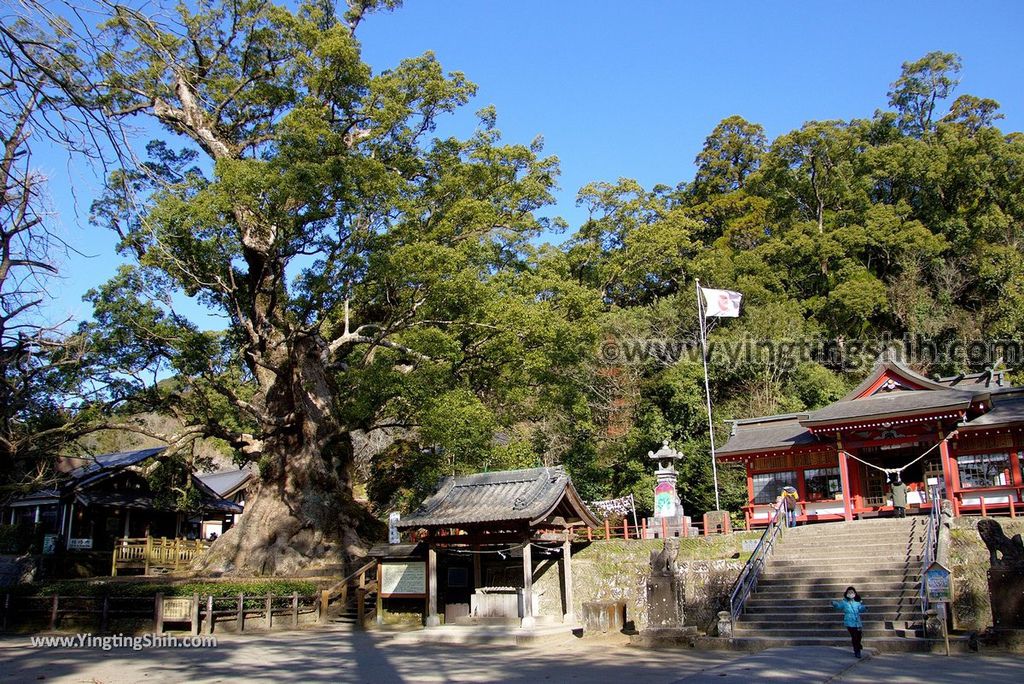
[707, 387]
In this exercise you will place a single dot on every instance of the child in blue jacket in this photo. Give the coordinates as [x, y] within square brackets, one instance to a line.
[852, 608]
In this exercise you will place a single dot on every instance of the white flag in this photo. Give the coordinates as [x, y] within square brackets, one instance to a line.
[721, 303]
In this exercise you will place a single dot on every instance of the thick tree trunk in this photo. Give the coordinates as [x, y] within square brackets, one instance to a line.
[300, 515]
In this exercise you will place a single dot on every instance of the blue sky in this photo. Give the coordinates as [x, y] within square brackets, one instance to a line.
[623, 89]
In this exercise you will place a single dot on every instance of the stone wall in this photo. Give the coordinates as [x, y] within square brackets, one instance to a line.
[617, 570]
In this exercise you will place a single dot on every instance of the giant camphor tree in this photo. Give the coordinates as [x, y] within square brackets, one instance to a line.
[366, 272]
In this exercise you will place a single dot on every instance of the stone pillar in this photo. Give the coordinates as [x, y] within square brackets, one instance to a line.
[724, 623]
[528, 621]
[569, 613]
[432, 619]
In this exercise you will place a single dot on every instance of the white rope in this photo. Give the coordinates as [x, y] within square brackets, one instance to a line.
[897, 471]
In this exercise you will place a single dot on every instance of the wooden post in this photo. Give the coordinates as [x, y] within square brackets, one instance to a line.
[477, 572]
[432, 619]
[528, 622]
[984, 512]
[664, 528]
[590, 534]
[295, 609]
[209, 614]
[1013, 513]
[380, 599]
[113, 560]
[361, 599]
[325, 599]
[607, 530]
[105, 614]
[569, 614]
[195, 614]
[241, 613]
[148, 552]
[53, 613]
[625, 528]
[158, 614]
[643, 528]
[269, 611]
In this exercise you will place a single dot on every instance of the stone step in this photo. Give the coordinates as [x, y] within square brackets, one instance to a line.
[834, 590]
[877, 603]
[826, 621]
[836, 632]
[854, 577]
[880, 565]
[889, 644]
[901, 558]
[836, 545]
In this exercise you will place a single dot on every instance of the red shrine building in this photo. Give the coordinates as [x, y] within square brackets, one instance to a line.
[964, 434]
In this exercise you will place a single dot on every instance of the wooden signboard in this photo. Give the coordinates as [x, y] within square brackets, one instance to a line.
[405, 578]
[178, 609]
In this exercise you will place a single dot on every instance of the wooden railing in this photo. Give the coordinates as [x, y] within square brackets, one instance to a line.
[356, 586]
[155, 554]
[200, 612]
[624, 530]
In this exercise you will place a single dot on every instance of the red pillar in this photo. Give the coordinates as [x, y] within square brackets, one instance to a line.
[844, 476]
[950, 475]
[1015, 473]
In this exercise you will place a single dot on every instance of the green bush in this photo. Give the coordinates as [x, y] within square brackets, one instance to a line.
[278, 587]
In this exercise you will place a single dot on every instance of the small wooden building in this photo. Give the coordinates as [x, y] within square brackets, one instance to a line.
[965, 433]
[110, 498]
[482, 534]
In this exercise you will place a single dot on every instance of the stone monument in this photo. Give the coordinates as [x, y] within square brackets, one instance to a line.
[1005, 575]
[668, 519]
[664, 589]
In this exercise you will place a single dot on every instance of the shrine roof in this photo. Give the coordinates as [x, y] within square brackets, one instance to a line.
[891, 405]
[521, 496]
[768, 433]
[1004, 412]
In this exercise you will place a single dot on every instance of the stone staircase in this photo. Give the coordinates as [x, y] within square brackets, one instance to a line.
[814, 564]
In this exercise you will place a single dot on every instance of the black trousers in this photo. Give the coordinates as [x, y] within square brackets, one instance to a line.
[855, 634]
[901, 512]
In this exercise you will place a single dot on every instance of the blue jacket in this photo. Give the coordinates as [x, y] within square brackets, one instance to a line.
[851, 612]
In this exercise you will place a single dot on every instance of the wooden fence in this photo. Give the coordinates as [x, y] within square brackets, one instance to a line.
[155, 555]
[200, 613]
[624, 530]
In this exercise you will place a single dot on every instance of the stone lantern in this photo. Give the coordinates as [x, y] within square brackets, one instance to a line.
[668, 520]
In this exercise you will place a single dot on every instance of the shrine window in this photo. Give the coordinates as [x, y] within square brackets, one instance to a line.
[768, 486]
[984, 470]
[822, 483]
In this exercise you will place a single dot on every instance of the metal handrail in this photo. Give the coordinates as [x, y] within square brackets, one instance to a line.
[747, 580]
[930, 542]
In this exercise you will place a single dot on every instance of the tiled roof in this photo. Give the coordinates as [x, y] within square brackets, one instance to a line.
[765, 434]
[226, 482]
[506, 496]
[144, 500]
[1005, 412]
[891, 404]
[106, 463]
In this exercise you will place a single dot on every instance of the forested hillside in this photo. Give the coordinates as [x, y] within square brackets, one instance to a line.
[382, 285]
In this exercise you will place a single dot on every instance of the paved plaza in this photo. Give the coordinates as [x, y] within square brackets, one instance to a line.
[344, 656]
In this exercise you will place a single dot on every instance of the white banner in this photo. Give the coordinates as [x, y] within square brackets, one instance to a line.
[721, 303]
[621, 506]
